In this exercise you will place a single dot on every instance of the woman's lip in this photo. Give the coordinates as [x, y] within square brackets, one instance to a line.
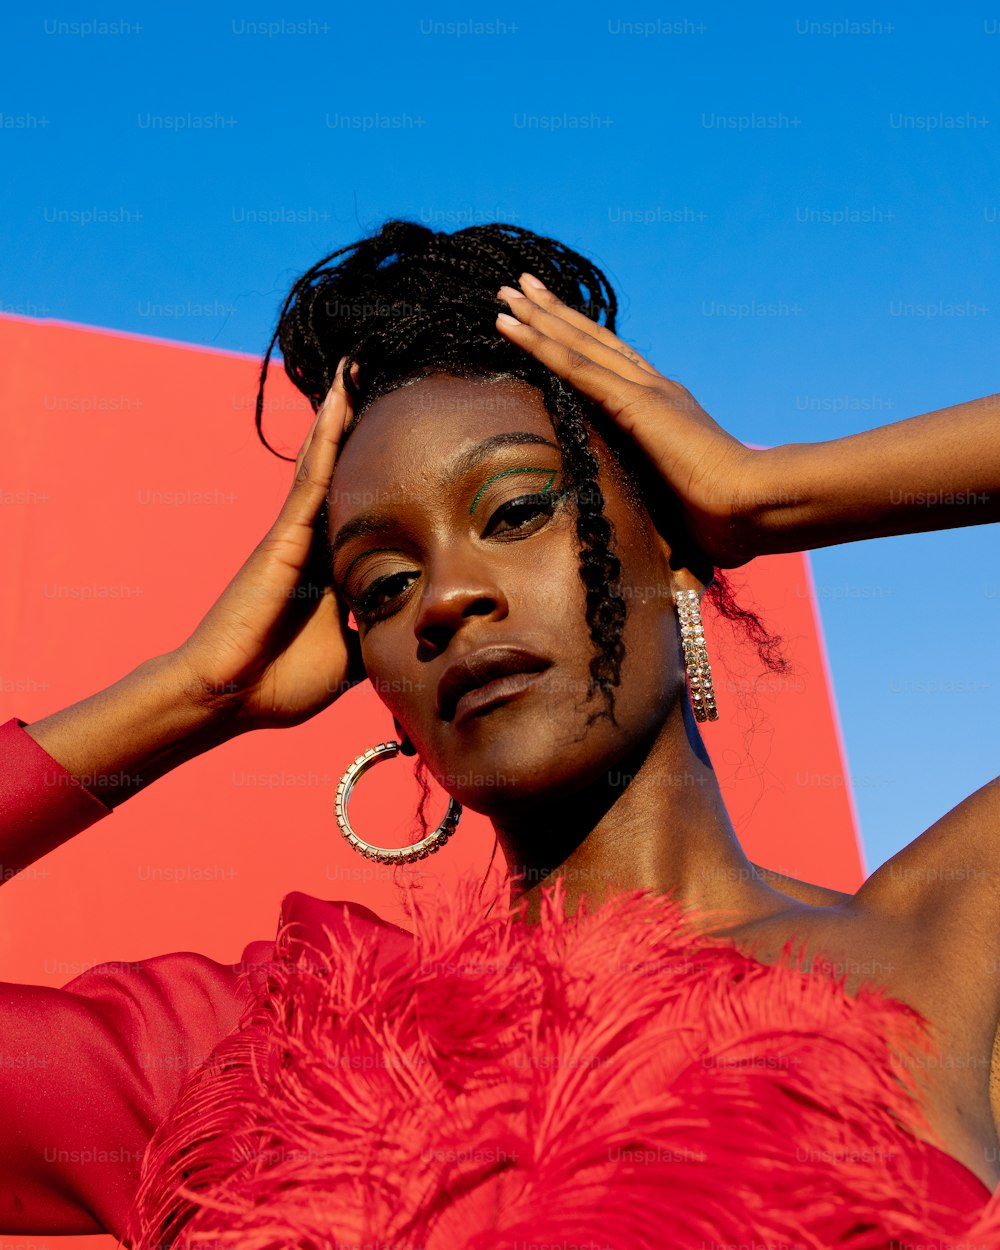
[495, 691]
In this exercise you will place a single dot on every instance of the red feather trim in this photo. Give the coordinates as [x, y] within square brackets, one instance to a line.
[613, 1079]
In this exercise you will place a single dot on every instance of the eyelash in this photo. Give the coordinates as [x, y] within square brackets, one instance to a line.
[540, 502]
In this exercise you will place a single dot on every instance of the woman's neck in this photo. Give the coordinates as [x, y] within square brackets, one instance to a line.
[656, 820]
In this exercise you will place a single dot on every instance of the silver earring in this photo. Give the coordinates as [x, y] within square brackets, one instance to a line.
[699, 673]
[385, 855]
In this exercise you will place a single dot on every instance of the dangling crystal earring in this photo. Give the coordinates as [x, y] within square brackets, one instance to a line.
[699, 673]
[385, 855]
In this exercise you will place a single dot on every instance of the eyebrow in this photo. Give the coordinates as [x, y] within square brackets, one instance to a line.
[367, 523]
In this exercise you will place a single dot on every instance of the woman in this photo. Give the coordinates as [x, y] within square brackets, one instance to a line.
[522, 515]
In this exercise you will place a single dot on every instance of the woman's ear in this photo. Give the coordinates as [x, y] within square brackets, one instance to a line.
[689, 567]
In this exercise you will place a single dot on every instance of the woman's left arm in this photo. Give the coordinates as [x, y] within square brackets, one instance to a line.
[936, 471]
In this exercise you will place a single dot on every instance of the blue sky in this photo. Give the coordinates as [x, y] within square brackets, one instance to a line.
[800, 207]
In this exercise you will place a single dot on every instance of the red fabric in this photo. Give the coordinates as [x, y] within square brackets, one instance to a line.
[89, 1072]
[41, 804]
[616, 1079]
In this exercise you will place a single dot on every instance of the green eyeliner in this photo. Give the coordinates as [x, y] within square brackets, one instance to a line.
[504, 472]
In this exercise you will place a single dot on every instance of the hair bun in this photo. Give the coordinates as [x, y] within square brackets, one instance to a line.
[407, 298]
[395, 241]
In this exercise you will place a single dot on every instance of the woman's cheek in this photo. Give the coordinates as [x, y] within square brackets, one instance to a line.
[557, 584]
[383, 676]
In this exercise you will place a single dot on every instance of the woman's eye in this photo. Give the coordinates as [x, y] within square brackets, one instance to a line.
[373, 599]
[518, 513]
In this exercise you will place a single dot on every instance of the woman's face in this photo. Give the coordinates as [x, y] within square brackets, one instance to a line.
[435, 568]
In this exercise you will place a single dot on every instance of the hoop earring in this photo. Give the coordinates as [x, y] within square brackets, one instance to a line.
[699, 672]
[388, 855]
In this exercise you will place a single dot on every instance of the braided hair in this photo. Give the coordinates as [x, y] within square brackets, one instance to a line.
[408, 301]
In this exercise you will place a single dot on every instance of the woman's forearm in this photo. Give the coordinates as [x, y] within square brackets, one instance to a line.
[120, 739]
[114, 743]
[936, 471]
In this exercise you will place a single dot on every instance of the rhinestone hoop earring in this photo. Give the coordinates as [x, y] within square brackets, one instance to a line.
[699, 673]
[388, 855]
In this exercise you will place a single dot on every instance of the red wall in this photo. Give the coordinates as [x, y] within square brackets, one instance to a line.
[132, 487]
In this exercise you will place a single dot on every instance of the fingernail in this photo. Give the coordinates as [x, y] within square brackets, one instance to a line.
[532, 283]
[508, 293]
[505, 319]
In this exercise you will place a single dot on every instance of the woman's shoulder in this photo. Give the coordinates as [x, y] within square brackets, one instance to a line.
[927, 921]
[946, 882]
[938, 902]
[874, 951]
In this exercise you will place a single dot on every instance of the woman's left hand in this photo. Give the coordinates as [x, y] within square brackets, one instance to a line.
[712, 473]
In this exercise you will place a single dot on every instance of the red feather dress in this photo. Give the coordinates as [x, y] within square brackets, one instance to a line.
[612, 1079]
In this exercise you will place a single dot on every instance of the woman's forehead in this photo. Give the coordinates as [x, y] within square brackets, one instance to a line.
[429, 422]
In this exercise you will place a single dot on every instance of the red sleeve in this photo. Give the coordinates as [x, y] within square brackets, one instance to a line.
[41, 804]
[88, 1071]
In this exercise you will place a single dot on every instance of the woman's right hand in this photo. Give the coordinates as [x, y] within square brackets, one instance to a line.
[276, 648]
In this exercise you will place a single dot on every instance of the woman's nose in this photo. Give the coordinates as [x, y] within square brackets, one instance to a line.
[451, 597]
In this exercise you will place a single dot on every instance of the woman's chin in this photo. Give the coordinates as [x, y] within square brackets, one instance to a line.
[523, 772]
